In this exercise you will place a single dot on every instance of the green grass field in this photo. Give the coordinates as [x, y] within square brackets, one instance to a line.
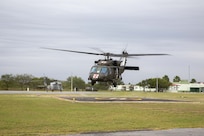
[45, 114]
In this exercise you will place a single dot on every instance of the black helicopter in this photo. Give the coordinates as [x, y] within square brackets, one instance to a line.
[108, 70]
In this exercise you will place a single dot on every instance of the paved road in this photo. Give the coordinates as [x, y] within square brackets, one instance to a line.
[170, 132]
[44, 92]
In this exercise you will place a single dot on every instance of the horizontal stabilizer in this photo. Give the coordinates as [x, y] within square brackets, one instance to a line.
[131, 68]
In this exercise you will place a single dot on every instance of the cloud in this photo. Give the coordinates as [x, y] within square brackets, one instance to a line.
[148, 26]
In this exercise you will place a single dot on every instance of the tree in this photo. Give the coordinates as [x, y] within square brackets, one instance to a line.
[163, 84]
[7, 80]
[176, 79]
[39, 83]
[78, 82]
[165, 77]
[24, 80]
[144, 83]
[151, 83]
[193, 80]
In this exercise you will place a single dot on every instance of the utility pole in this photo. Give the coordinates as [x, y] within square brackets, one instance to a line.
[71, 83]
[157, 85]
[189, 73]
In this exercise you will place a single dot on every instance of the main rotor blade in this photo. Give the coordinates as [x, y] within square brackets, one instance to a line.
[125, 54]
[90, 53]
[146, 54]
[132, 55]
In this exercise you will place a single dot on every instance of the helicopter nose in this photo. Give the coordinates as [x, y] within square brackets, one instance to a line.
[95, 76]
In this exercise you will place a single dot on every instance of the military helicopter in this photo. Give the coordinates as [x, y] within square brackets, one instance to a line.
[108, 70]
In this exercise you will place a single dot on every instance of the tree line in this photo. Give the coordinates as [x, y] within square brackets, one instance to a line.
[20, 82]
[161, 83]
[24, 81]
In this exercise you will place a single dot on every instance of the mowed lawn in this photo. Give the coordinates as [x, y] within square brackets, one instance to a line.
[42, 114]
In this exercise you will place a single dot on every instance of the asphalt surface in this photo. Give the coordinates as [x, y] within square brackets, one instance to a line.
[115, 99]
[83, 97]
[45, 92]
[170, 132]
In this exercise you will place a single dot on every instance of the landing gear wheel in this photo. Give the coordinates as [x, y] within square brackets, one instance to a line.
[114, 84]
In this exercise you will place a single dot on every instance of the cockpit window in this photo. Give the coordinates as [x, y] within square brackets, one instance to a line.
[104, 70]
[93, 69]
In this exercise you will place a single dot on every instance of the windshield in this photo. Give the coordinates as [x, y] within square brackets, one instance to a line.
[102, 70]
[95, 69]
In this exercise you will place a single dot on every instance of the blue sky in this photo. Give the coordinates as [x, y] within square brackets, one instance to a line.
[175, 27]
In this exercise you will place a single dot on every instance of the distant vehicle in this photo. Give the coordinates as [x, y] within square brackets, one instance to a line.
[56, 85]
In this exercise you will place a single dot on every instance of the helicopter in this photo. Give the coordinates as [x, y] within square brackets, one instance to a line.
[108, 70]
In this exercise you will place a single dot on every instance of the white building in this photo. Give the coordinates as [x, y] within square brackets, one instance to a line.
[182, 86]
[130, 87]
[186, 87]
[122, 88]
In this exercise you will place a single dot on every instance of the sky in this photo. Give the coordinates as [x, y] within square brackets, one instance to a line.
[174, 27]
